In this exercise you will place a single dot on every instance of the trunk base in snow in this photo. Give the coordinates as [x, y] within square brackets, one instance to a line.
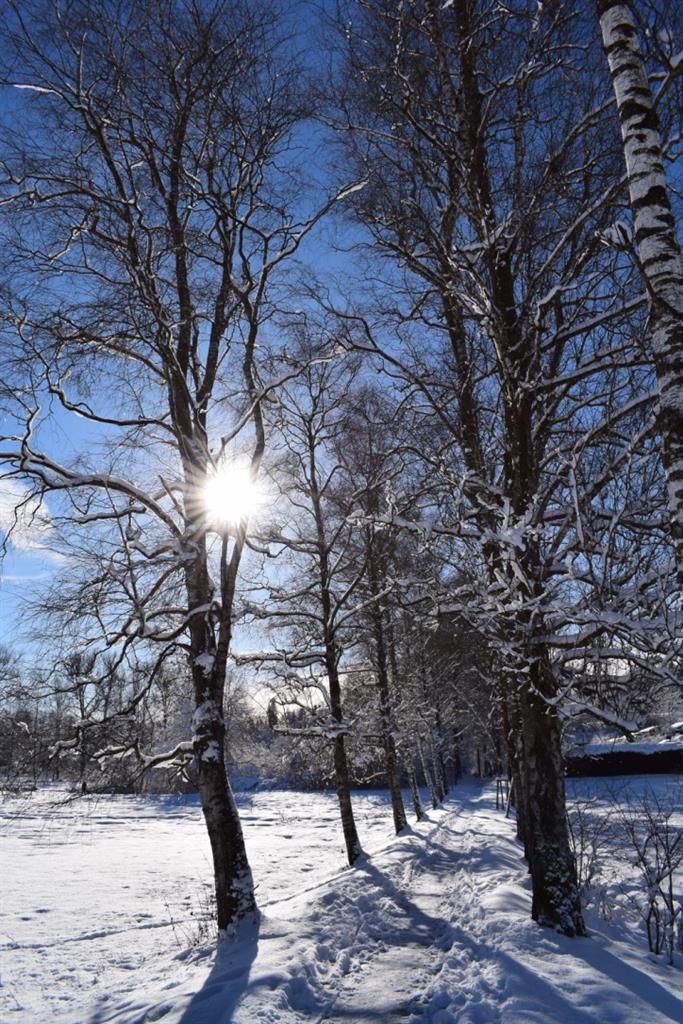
[234, 884]
[541, 806]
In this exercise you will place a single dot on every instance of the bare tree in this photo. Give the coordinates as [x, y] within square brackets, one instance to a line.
[17, 755]
[311, 602]
[490, 158]
[368, 448]
[148, 201]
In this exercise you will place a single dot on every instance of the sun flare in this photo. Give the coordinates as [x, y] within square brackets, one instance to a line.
[231, 496]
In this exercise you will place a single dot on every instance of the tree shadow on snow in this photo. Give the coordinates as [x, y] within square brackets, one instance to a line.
[533, 994]
[218, 997]
[627, 976]
[228, 980]
[421, 929]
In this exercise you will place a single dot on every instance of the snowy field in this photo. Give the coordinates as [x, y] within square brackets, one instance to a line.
[104, 903]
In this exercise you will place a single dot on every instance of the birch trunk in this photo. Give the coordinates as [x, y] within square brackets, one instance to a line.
[233, 881]
[343, 785]
[426, 771]
[655, 238]
[341, 764]
[385, 708]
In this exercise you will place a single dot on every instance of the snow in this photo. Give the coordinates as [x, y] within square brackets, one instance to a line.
[33, 88]
[102, 919]
[212, 752]
[207, 711]
[205, 662]
[624, 747]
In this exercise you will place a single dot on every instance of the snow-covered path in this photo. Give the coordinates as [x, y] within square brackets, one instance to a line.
[431, 928]
[363, 946]
[399, 933]
[398, 963]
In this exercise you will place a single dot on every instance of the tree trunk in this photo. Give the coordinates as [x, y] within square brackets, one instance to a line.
[406, 753]
[83, 762]
[233, 880]
[437, 772]
[457, 760]
[436, 783]
[341, 771]
[655, 237]
[412, 782]
[429, 781]
[388, 742]
[341, 765]
[234, 885]
[393, 781]
[541, 809]
[442, 768]
[377, 578]
[519, 782]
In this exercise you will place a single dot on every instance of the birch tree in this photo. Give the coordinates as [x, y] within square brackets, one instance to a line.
[654, 235]
[310, 603]
[148, 203]
[369, 448]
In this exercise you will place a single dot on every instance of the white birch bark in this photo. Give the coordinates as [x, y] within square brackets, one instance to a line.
[654, 235]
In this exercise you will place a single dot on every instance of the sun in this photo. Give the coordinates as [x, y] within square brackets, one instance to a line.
[231, 496]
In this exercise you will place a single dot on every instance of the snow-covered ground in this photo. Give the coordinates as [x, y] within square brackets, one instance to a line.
[104, 905]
